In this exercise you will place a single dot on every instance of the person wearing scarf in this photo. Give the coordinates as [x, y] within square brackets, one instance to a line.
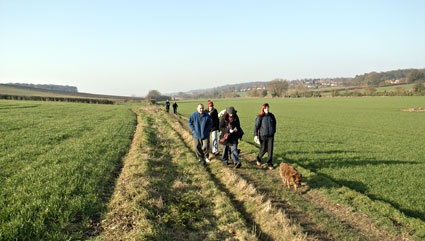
[230, 124]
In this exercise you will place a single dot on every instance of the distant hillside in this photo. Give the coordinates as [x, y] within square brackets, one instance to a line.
[65, 88]
[8, 89]
[230, 87]
[392, 77]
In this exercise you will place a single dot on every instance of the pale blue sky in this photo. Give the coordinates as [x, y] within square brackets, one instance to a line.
[130, 47]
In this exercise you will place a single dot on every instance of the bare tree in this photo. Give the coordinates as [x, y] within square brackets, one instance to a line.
[153, 95]
[277, 87]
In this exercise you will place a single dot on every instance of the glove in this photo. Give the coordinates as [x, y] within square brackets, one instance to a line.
[256, 139]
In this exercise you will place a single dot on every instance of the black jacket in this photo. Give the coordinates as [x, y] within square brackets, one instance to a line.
[224, 128]
[215, 121]
[266, 124]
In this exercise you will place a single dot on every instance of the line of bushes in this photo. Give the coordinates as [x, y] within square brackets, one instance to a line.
[60, 99]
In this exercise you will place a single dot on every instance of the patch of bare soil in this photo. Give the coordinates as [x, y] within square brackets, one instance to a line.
[415, 109]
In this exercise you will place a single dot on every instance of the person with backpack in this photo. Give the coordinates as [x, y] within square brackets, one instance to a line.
[264, 130]
[200, 123]
[215, 122]
[230, 128]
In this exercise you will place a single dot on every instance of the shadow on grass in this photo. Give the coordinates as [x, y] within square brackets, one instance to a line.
[321, 180]
[221, 187]
[183, 208]
[107, 191]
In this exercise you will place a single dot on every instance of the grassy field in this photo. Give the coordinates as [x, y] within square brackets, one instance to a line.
[365, 144]
[57, 162]
[387, 88]
[64, 175]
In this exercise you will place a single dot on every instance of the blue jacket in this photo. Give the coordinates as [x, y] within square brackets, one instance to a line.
[200, 125]
[266, 124]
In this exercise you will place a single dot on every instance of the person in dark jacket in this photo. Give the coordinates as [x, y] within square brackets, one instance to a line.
[175, 107]
[229, 124]
[215, 122]
[167, 106]
[200, 123]
[264, 130]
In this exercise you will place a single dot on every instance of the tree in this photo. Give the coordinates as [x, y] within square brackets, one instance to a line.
[415, 75]
[253, 92]
[277, 87]
[263, 93]
[373, 79]
[418, 86]
[302, 90]
[153, 95]
[370, 91]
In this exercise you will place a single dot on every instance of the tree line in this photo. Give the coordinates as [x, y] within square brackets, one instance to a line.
[60, 99]
[65, 88]
[361, 85]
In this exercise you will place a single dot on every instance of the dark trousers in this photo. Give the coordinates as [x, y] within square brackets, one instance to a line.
[266, 146]
[201, 146]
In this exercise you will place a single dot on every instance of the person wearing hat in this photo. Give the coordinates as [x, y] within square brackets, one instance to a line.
[200, 123]
[215, 122]
[230, 125]
[264, 130]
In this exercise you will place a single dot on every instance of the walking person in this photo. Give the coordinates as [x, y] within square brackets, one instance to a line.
[264, 130]
[214, 130]
[175, 107]
[231, 128]
[167, 106]
[200, 123]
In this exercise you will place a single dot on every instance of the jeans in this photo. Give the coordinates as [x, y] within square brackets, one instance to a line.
[214, 140]
[233, 150]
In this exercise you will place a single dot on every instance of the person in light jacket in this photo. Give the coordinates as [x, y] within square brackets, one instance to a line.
[264, 130]
[200, 123]
[214, 130]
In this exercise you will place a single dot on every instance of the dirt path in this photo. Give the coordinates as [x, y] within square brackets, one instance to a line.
[163, 193]
[357, 222]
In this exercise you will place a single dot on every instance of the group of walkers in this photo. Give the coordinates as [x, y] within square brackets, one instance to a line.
[167, 106]
[205, 125]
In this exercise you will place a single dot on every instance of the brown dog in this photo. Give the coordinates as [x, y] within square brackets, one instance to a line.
[290, 176]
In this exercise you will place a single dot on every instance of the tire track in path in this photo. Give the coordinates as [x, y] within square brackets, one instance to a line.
[356, 224]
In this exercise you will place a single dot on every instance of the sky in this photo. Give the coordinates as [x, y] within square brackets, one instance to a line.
[128, 48]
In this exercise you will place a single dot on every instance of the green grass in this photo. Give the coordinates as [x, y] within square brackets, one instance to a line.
[387, 88]
[58, 162]
[365, 144]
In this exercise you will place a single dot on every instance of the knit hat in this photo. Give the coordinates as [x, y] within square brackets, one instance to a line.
[231, 110]
[210, 103]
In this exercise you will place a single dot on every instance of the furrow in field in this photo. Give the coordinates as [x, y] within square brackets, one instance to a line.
[270, 222]
[163, 195]
[316, 214]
